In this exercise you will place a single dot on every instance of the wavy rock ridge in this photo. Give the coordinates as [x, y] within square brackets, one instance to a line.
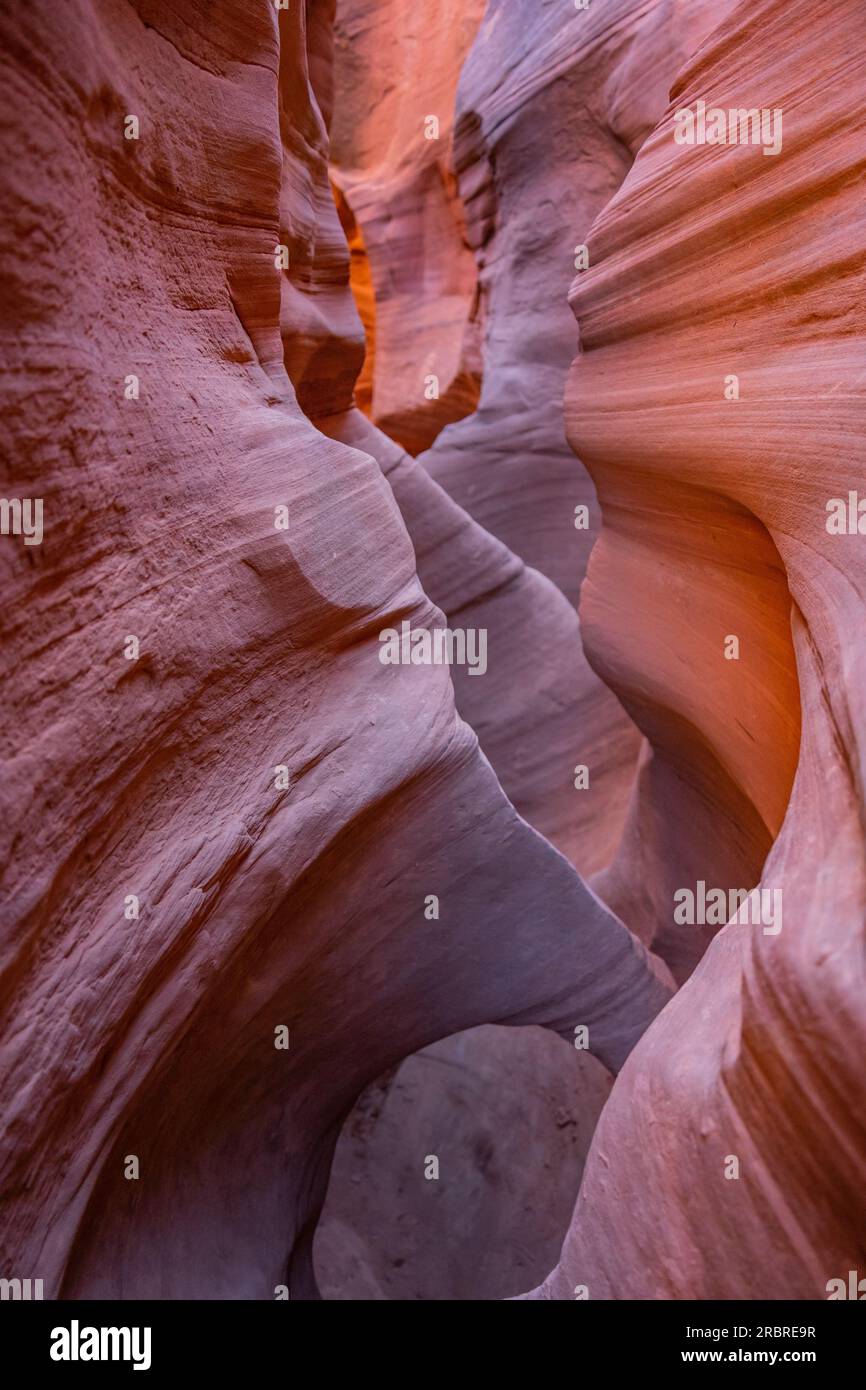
[224, 817]
[758, 1055]
[231, 847]
[708, 534]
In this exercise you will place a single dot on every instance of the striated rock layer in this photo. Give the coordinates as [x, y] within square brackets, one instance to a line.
[551, 105]
[224, 819]
[538, 713]
[715, 262]
[222, 814]
[543, 713]
[396, 68]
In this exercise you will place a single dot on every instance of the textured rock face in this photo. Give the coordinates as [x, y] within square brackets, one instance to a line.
[543, 712]
[396, 68]
[716, 523]
[528, 190]
[224, 817]
[550, 106]
[538, 712]
[228, 826]
[697, 529]
[511, 1118]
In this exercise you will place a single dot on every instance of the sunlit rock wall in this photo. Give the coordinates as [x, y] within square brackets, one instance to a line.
[718, 400]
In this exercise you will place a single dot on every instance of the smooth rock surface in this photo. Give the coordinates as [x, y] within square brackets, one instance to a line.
[712, 261]
[396, 68]
[154, 784]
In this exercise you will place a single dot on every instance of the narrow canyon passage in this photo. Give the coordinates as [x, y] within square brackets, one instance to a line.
[685, 788]
[433, 759]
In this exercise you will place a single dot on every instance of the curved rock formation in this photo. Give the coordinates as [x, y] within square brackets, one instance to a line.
[511, 1113]
[729, 1162]
[223, 815]
[396, 68]
[249, 867]
[539, 711]
[525, 88]
[551, 105]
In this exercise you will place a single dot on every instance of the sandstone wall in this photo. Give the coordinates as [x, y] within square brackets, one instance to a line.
[223, 816]
[272, 801]
[715, 261]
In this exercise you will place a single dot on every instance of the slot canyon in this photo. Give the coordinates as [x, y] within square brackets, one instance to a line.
[434, 740]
